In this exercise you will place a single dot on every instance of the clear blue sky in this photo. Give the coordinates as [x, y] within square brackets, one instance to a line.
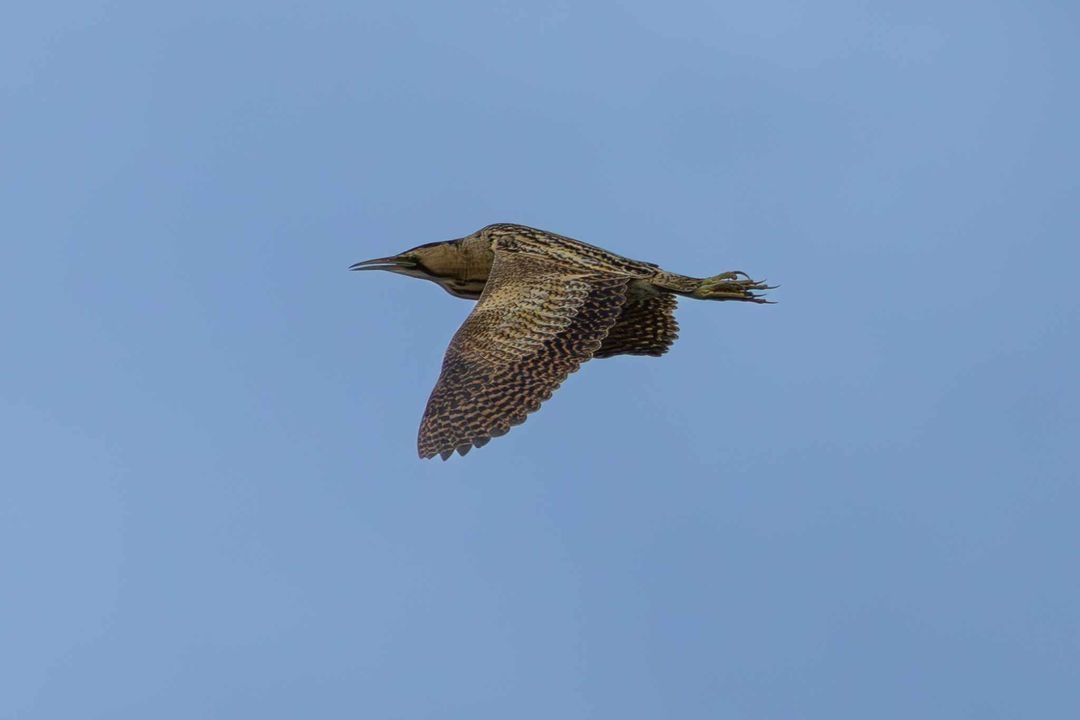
[859, 502]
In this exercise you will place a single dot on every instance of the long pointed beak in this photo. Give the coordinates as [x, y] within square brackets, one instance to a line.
[387, 263]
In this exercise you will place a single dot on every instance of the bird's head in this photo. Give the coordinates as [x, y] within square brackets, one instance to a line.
[459, 266]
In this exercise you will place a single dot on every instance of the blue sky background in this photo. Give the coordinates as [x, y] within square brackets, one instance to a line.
[859, 502]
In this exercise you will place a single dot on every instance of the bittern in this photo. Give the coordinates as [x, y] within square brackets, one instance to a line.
[547, 303]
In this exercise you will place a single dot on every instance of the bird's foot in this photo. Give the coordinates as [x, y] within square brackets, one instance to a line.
[735, 285]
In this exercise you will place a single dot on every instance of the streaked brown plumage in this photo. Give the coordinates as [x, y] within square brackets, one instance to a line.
[547, 303]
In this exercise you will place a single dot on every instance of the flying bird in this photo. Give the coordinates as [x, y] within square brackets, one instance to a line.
[547, 303]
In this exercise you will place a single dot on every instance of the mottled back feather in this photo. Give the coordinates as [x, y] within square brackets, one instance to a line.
[537, 320]
[646, 326]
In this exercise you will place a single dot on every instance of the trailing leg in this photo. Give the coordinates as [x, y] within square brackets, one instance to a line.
[734, 285]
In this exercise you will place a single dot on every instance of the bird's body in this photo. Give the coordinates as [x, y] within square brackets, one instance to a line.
[547, 303]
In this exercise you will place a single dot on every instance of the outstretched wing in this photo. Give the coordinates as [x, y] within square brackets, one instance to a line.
[535, 323]
[646, 325]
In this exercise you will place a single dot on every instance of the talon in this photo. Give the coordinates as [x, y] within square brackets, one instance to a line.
[732, 285]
